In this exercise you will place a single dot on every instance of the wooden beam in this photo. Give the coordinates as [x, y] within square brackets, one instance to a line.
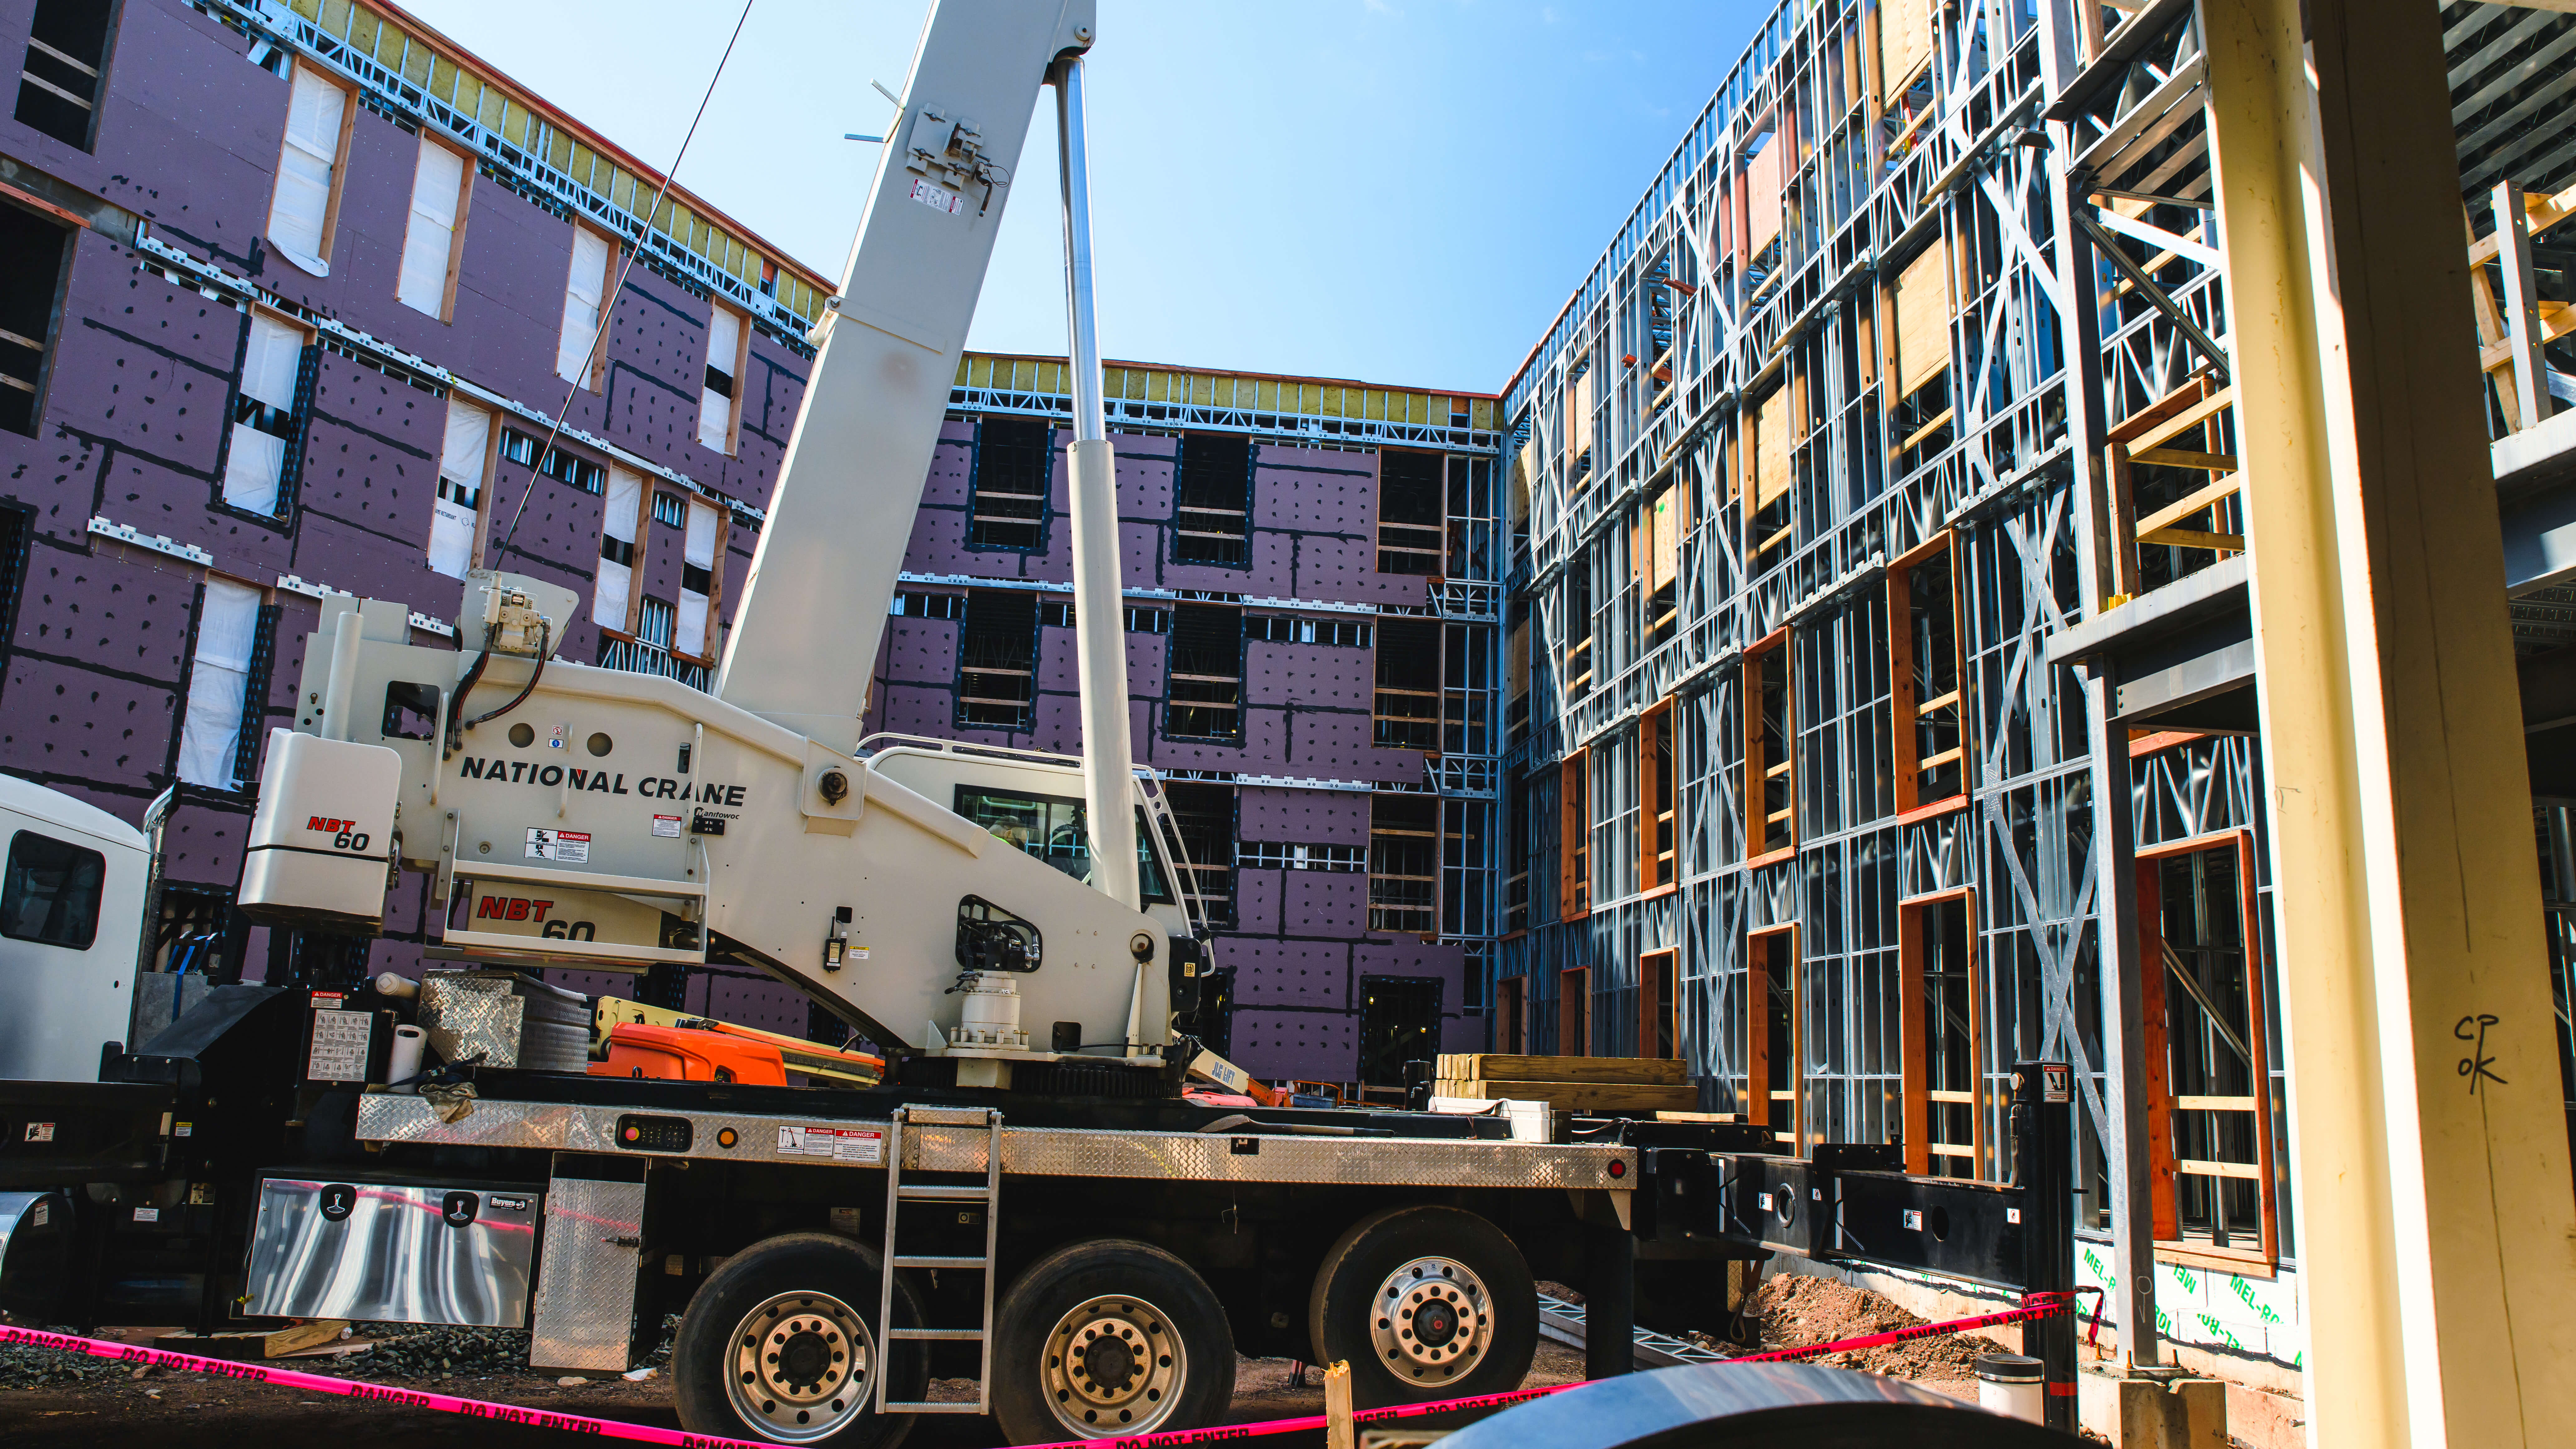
[2185, 538]
[2182, 422]
[2199, 501]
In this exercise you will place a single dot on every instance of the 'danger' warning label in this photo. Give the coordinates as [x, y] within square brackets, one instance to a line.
[842, 1144]
[572, 845]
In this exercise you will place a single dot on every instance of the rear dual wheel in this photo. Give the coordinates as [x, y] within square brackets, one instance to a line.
[1109, 1337]
[1425, 1303]
[782, 1343]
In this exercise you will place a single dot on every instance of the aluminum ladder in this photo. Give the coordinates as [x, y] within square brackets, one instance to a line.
[899, 1192]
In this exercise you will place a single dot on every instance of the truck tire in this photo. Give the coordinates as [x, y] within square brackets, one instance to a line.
[782, 1343]
[1109, 1336]
[1424, 1303]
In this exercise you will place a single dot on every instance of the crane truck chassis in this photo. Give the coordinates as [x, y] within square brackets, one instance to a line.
[1070, 1230]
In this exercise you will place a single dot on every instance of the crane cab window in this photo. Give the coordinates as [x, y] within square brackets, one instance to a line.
[1052, 828]
[50, 895]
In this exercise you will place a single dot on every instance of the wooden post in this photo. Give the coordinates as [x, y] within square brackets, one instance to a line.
[1340, 1430]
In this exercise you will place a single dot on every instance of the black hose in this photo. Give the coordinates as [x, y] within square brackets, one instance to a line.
[456, 712]
[545, 643]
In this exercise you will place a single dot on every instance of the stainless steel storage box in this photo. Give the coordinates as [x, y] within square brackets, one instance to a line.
[393, 1252]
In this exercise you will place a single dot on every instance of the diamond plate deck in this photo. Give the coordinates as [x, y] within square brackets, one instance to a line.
[1037, 1151]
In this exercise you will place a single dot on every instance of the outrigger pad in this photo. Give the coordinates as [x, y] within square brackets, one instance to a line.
[1752, 1406]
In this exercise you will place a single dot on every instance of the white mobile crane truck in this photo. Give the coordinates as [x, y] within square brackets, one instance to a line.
[1010, 1204]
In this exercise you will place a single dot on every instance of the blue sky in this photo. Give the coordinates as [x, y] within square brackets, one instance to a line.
[1401, 191]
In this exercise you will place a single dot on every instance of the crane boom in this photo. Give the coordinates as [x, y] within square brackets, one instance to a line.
[806, 631]
[595, 818]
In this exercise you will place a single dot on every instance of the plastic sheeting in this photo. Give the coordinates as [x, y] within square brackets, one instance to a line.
[210, 737]
[299, 210]
[429, 242]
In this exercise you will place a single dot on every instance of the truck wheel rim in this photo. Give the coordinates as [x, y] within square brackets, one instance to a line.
[1114, 1363]
[801, 1367]
[1431, 1321]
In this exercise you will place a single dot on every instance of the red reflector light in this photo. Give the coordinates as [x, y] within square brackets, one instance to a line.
[1618, 1169]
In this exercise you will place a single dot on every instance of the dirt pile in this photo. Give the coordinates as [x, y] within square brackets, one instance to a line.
[1792, 1311]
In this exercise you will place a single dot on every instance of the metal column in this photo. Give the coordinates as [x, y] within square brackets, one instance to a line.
[2115, 882]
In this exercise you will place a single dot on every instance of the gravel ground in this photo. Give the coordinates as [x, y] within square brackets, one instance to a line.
[53, 1400]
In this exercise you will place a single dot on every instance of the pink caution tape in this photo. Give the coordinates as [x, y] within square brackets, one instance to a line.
[2034, 1306]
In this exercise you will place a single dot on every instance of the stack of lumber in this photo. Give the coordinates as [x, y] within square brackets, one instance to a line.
[1639, 1086]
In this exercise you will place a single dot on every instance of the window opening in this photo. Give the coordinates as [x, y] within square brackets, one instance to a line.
[1014, 468]
[1580, 413]
[58, 90]
[426, 281]
[34, 254]
[1466, 690]
[1658, 834]
[1511, 1016]
[276, 379]
[1771, 1045]
[1280, 855]
[929, 606]
[1204, 816]
[1410, 525]
[305, 204]
[1399, 1023]
[1516, 672]
[1054, 829]
[1659, 1022]
[1212, 512]
[51, 893]
[1144, 619]
[695, 630]
[1578, 625]
[1574, 836]
[2209, 1126]
[1574, 1012]
[1926, 698]
[559, 465]
[997, 660]
[1404, 862]
[1778, 424]
[653, 622]
[1942, 1015]
[1517, 850]
[1769, 759]
[198, 931]
[1658, 549]
[228, 619]
[584, 308]
[456, 513]
[1206, 675]
[1920, 415]
[1407, 702]
[1288, 629]
[718, 404]
[621, 549]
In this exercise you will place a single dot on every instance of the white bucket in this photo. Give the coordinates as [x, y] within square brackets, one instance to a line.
[2013, 1385]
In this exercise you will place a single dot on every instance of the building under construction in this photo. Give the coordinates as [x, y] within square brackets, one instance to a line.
[1863, 646]
[1878, 623]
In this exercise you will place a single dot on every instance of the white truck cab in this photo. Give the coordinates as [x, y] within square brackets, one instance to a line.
[72, 884]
